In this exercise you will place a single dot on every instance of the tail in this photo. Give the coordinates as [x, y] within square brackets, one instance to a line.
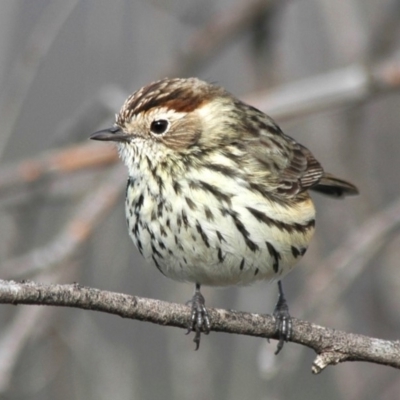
[334, 187]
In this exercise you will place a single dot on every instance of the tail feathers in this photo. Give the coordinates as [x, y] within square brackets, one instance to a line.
[334, 187]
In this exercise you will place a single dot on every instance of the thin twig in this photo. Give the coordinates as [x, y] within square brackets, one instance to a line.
[90, 212]
[348, 261]
[26, 66]
[221, 30]
[332, 346]
[64, 160]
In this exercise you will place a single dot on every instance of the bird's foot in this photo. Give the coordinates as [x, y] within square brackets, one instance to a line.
[199, 318]
[283, 324]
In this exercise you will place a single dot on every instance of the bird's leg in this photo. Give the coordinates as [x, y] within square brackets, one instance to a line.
[199, 319]
[283, 319]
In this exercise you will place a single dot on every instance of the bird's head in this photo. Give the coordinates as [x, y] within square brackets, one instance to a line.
[172, 118]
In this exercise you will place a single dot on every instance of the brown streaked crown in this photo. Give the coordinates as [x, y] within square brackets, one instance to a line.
[179, 94]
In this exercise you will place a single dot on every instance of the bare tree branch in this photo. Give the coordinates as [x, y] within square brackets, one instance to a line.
[332, 346]
[25, 324]
[341, 87]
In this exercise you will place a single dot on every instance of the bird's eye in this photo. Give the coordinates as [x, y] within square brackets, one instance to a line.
[159, 126]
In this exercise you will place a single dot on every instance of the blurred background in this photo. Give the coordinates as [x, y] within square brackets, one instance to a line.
[327, 71]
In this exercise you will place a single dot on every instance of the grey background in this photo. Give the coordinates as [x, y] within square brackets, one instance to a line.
[65, 67]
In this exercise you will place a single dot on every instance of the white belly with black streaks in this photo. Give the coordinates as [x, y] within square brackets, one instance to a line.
[216, 235]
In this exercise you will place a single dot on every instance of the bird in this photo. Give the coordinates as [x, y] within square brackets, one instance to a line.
[216, 193]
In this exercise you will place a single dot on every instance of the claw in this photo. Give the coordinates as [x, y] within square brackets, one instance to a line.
[199, 319]
[283, 320]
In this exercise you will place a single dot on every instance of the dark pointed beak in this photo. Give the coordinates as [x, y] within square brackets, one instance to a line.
[114, 134]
